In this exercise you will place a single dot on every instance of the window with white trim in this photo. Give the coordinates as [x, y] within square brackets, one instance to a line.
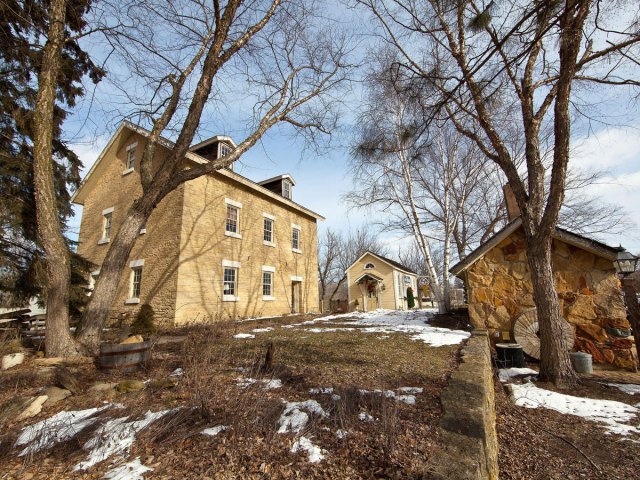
[131, 156]
[369, 266]
[267, 284]
[106, 225]
[286, 189]
[233, 218]
[295, 239]
[223, 150]
[230, 282]
[268, 230]
[136, 282]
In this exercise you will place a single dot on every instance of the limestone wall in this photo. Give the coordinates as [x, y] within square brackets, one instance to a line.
[588, 289]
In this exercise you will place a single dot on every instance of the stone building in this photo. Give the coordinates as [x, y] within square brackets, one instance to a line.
[499, 290]
[220, 246]
[374, 281]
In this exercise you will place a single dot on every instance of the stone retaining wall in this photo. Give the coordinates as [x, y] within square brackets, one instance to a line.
[469, 421]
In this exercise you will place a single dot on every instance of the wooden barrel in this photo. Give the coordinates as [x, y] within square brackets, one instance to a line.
[125, 358]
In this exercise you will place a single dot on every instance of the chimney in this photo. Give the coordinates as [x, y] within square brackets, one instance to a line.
[513, 211]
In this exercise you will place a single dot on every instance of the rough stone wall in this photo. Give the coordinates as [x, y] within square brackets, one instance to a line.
[158, 247]
[470, 440]
[500, 291]
[204, 246]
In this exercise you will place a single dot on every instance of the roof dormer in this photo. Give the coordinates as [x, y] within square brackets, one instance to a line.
[214, 148]
[282, 185]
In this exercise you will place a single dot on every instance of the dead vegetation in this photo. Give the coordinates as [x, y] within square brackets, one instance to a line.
[224, 381]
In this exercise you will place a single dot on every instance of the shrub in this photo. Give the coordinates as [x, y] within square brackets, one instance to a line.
[411, 301]
[144, 324]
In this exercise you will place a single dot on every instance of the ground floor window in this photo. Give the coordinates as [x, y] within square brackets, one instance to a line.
[136, 282]
[267, 284]
[230, 280]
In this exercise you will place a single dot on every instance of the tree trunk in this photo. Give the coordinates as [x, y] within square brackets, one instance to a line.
[555, 364]
[58, 340]
[631, 301]
[97, 312]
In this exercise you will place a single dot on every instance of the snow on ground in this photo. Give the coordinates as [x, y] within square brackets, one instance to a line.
[268, 384]
[59, 428]
[506, 374]
[628, 388]
[213, 431]
[365, 417]
[406, 398]
[614, 415]
[115, 437]
[391, 321]
[294, 418]
[262, 330]
[244, 335]
[178, 372]
[303, 443]
[133, 470]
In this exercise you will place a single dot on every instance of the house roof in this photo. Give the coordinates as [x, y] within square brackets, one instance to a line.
[80, 194]
[277, 177]
[209, 141]
[393, 263]
[580, 241]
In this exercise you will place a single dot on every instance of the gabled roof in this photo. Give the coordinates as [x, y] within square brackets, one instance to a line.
[77, 197]
[580, 241]
[209, 141]
[277, 177]
[393, 263]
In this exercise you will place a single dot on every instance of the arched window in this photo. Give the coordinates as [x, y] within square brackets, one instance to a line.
[369, 266]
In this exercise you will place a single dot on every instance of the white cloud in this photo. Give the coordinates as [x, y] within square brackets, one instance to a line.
[609, 149]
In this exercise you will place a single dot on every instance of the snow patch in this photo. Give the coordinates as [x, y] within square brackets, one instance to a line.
[365, 417]
[267, 384]
[408, 399]
[294, 418]
[628, 388]
[411, 390]
[115, 437]
[612, 414]
[178, 372]
[506, 374]
[262, 330]
[61, 427]
[315, 453]
[341, 434]
[133, 470]
[321, 390]
[244, 335]
[213, 431]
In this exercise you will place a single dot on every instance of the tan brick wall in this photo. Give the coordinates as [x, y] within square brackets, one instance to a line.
[387, 273]
[500, 291]
[158, 247]
[204, 246]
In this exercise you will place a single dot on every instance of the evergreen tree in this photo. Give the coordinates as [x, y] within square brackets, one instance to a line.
[23, 27]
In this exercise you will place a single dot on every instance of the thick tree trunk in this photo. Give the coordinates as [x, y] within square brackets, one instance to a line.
[58, 340]
[631, 301]
[555, 364]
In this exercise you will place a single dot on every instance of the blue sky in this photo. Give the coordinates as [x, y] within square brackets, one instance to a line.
[323, 178]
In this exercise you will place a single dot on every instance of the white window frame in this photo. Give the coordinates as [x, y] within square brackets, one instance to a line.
[222, 145]
[271, 271]
[286, 188]
[299, 229]
[235, 266]
[130, 167]
[135, 266]
[272, 219]
[229, 203]
[107, 219]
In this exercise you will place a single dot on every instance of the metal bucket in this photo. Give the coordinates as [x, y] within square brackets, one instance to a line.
[582, 362]
[126, 358]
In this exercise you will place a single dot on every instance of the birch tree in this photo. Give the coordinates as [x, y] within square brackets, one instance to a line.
[484, 66]
[288, 64]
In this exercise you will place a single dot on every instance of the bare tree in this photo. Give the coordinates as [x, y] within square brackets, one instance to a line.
[329, 250]
[288, 64]
[492, 65]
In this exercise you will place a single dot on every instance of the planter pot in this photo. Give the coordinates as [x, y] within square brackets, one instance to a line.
[12, 360]
[124, 357]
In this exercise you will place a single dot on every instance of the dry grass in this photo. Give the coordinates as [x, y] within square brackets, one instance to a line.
[396, 445]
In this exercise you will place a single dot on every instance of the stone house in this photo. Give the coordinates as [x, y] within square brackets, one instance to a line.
[374, 281]
[499, 290]
[220, 246]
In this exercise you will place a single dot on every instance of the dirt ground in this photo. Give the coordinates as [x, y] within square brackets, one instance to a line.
[398, 443]
[534, 442]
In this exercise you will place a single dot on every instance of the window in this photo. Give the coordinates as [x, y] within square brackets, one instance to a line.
[136, 282]
[107, 219]
[267, 284]
[224, 150]
[232, 219]
[369, 266]
[268, 230]
[229, 281]
[407, 280]
[295, 238]
[286, 189]
[130, 161]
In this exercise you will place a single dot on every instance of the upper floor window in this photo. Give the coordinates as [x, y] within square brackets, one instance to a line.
[268, 230]
[223, 150]
[107, 220]
[286, 189]
[232, 221]
[295, 238]
[131, 158]
[369, 266]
